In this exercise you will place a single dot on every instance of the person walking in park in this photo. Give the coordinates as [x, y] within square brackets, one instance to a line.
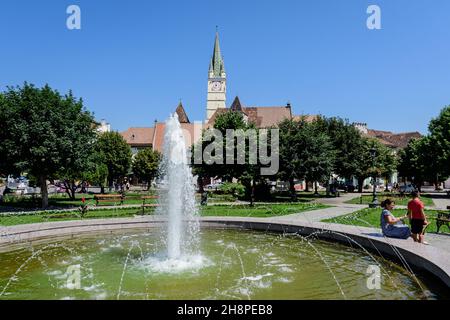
[391, 226]
[417, 218]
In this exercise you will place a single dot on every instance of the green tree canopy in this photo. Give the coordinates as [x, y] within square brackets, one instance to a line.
[383, 163]
[440, 138]
[305, 152]
[245, 172]
[43, 133]
[116, 154]
[347, 143]
[145, 164]
[420, 161]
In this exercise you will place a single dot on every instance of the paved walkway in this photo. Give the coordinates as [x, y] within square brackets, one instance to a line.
[441, 241]
[441, 203]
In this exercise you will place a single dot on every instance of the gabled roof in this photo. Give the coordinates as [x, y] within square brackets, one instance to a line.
[189, 131]
[265, 117]
[394, 140]
[138, 136]
[182, 116]
[262, 117]
[236, 105]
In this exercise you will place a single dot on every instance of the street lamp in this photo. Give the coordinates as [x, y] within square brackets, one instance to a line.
[374, 204]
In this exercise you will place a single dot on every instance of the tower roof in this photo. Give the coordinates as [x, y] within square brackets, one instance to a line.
[182, 116]
[217, 66]
[236, 105]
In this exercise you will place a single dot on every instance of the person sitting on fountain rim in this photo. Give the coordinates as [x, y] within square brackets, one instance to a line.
[391, 226]
[417, 217]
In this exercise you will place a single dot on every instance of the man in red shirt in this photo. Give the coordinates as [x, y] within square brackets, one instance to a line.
[417, 217]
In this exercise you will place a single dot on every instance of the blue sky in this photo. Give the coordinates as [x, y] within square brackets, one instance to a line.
[133, 60]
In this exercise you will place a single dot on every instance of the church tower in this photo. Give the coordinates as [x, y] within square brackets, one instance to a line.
[217, 80]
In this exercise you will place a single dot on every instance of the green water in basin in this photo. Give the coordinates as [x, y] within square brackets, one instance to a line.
[232, 265]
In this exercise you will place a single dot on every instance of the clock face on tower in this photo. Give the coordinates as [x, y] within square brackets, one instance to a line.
[216, 86]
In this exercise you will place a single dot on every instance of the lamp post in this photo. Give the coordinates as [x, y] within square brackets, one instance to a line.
[374, 204]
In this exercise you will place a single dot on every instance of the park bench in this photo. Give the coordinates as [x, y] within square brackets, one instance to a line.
[109, 198]
[443, 219]
[148, 205]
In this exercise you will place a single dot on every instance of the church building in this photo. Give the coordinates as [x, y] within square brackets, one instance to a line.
[216, 104]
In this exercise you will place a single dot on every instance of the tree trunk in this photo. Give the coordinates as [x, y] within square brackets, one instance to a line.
[306, 186]
[360, 185]
[327, 188]
[44, 191]
[71, 189]
[316, 192]
[102, 189]
[200, 185]
[292, 189]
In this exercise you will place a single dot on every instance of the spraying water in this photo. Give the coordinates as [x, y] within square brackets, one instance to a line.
[177, 195]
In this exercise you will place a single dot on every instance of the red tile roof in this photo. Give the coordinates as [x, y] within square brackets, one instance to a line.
[192, 132]
[262, 117]
[394, 140]
[138, 136]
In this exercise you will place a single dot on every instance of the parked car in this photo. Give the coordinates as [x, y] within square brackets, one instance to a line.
[214, 186]
[407, 188]
[345, 186]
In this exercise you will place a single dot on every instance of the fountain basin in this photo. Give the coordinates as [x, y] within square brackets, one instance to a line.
[262, 265]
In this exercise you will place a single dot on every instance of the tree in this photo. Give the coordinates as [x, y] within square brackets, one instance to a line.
[305, 152]
[116, 155]
[290, 161]
[43, 133]
[97, 174]
[440, 137]
[383, 163]
[321, 157]
[420, 161]
[91, 170]
[245, 172]
[347, 143]
[145, 165]
[389, 159]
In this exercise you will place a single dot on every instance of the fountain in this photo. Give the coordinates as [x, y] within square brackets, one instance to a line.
[177, 202]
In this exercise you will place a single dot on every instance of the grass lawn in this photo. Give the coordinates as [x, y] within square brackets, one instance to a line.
[261, 211]
[302, 197]
[63, 200]
[371, 218]
[399, 200]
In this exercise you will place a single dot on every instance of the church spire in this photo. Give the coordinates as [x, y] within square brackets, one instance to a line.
[217, 67]
[217, 82]
[182, 116]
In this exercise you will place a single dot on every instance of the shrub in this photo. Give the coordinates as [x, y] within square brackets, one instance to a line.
[235, 189]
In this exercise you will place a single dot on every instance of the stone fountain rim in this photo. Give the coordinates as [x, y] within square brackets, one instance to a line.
[430, 259]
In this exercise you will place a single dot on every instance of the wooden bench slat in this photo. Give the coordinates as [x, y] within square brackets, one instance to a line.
[109, 198]
[148, 205]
